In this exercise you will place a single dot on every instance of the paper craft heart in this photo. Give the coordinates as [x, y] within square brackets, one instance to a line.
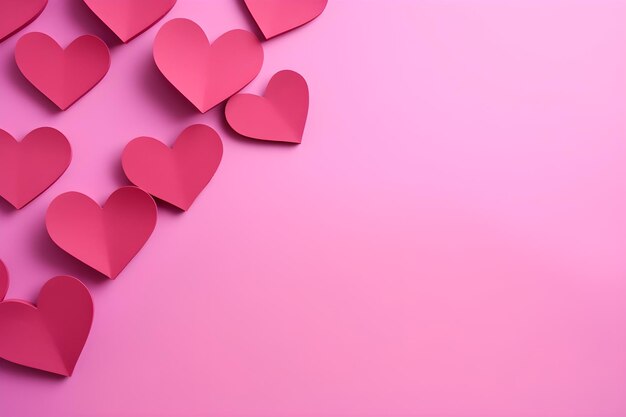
[51, 335]
[15, 14]
[129, 18]
[206, 74]
[104, 238]
[175, 175]
[280, 115]
[63, 76]
[4, 281]
[29, 167]
[279, 16]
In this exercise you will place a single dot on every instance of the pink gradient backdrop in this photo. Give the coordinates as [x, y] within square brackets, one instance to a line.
[449, 239]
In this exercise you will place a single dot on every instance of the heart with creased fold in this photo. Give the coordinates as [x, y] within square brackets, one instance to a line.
[279, 16]
[29, 167]
[15, 14]
[50, 335]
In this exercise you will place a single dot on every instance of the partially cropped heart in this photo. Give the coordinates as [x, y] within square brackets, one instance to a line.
[62, 75]
[206, 74]
[15, 14]
[51, 335]
[280, 115]
[104, 238]
[178, 174]
[129, 18]
[29, 167]
[4, 281]
[279, 16]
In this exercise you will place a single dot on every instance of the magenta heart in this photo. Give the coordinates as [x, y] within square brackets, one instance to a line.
[129, 18]
[15, 14]
[280, 115]
[4, 281]
[29, 167]
[51, 335]
[206, 74]
[63, 76]
[178, 174]
[279, 16]
[105, 238]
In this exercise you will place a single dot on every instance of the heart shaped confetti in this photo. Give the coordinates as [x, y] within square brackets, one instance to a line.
[29, 167]
[279, 16]
[280, 115]
[51, 335]
[15, 14]
[129, 18]
[4, 281]
[105, 238]
[62, 75]
[206, 74]
[178, 174]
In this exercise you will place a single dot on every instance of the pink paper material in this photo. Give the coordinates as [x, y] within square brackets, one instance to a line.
[15, 14]
[62, 75]
[129, 18]
[29, 167]
[49, 336]
[279, 16]
[206, 74]
[105, 238]
[279, 115]
[4, 281]
[178, 174]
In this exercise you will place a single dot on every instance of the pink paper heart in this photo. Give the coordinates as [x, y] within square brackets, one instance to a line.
[279, 16]
[29, 167]
[15, 14]
[206, 74]
[62, 75]
[4, 281]
[129, 18]
[178, 174]
[51, 335]
[280, 115]
[104, 238]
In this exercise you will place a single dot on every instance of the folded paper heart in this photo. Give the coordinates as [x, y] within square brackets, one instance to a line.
[4, 281]
[280, 115]
[279, 16]
[62, 75]
[29, 167]
[51, 335]
[129, 18]
[105, 238]
[178, 174]
[15, 14]
[206, 74]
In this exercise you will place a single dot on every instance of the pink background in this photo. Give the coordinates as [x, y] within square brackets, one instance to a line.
[449, 239]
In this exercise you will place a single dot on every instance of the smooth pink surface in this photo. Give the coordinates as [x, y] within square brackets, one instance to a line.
[104, 237]
[177, 174]
[4, 281]
[15, 14]
[49, 336]
[129, 18]
[62, 74]
[30, 166]
[278, 115]
[278, 16]
[205, 73]
[449, 239]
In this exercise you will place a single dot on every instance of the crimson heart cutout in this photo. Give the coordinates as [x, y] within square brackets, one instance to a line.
[129, 18]
[104, 238]
[51, 335]
[280, 115]
[279, 16]
[4, 281]
[178, 174]
[15, 14]
[62, 75]
[206, 74]
[29, 167]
